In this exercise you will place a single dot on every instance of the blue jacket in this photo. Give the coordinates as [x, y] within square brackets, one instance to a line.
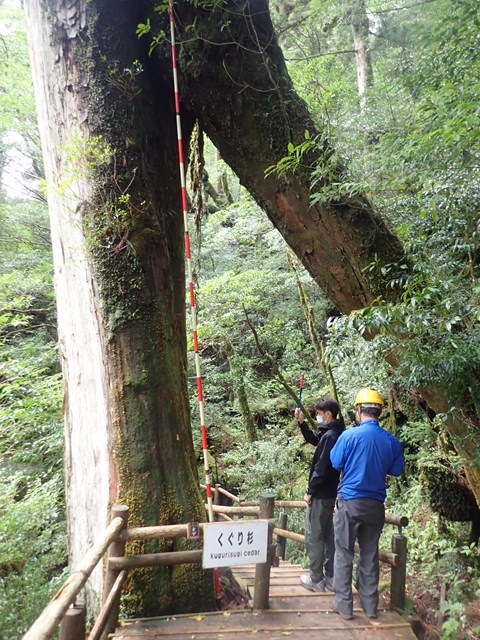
[366, 454]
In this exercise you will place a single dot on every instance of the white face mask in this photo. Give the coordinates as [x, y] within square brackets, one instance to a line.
[321, 420]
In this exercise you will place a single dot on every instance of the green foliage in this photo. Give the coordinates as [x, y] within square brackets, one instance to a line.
[416, 147]
[225, 245]
[245, 278]
[24, 236]
[434, 330]
[427, 545]
[454, 612]
[269, 466]
[33, 549]
[329, 184]
[32, 518]
[20, 153]
[30, 422]
[356, 363]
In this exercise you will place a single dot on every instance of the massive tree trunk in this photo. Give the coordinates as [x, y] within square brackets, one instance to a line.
[108, 135]
[236, 83]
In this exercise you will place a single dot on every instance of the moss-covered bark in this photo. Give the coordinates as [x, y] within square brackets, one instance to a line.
[139, 266]
[236, 83]
[124, 156]
[242, 397]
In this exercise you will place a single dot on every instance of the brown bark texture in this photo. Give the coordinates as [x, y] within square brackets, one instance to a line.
[236, 82]
[109, 141]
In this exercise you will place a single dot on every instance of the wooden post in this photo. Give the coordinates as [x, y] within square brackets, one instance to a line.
[73, 625]
[104, 614]
[116, 549]
[262, 571]
[216, 499]
[399, 572]
[281, 540]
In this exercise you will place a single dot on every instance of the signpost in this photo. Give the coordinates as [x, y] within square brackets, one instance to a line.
[236, 542]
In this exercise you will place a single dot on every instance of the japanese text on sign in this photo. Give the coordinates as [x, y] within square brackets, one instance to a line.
[232, 543]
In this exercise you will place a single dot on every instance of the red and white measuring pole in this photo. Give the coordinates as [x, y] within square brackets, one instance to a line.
[193, 307]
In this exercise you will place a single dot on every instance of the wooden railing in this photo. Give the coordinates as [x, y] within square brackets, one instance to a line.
[396, 558]
[63, 610]
[46, 624]
[72, 619]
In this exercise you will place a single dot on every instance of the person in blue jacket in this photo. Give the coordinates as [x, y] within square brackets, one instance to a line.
[364, 455]
[320, 494]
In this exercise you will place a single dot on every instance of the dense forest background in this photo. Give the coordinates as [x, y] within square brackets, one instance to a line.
[404, 116]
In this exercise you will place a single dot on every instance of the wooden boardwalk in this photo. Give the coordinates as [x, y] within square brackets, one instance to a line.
[294, 613]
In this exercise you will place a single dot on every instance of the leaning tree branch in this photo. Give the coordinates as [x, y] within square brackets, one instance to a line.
[318, 342]
[275, 369]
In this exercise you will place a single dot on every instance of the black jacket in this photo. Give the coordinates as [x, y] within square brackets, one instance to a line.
[323, 479]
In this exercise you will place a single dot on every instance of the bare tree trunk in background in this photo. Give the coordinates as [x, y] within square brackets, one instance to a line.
[316, 340]
[240, 392]
[360, 28]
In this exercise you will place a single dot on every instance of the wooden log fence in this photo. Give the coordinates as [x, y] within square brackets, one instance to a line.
[262, 570]
[45, 625]
[63, 610]
[396, 558]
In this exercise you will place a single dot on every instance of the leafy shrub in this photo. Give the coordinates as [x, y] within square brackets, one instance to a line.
[268, 466]
[32, 549]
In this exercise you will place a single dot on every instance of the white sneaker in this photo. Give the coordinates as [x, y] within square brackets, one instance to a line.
[308, 583]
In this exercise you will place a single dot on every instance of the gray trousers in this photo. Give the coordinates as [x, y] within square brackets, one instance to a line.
[319, 541]
[360, 519]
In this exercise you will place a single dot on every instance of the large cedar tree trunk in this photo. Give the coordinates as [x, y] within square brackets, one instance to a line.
[236, 83]
[108, 135]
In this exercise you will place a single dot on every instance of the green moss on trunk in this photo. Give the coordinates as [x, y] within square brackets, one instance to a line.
[134, 232]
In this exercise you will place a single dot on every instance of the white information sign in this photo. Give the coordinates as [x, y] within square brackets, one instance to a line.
[236, 542]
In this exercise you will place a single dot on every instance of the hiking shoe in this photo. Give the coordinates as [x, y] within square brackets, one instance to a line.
[328, 582]
[370, 614]
[343, 614]
[309, 584]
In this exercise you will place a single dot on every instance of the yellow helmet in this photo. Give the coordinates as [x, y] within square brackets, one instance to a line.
[368, 396]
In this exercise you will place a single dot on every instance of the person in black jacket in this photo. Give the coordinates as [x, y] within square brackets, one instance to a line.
[320, 494]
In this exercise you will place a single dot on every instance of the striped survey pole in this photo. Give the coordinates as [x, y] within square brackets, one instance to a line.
[193, 307]
[299, 400]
